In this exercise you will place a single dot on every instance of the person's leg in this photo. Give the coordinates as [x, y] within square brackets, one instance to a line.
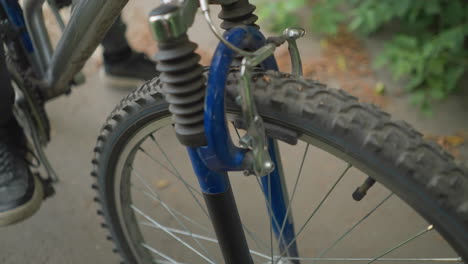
[7, 95]
[116, 47]
[122, 65]
[20, 192]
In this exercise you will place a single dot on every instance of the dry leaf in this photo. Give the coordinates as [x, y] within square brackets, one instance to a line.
[379, 88]
[454, 141]
[341, 62]
[323, 43]
[162, 184]
[449, 143]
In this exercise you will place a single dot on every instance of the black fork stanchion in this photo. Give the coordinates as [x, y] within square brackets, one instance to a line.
[228, 227]
[223, 211]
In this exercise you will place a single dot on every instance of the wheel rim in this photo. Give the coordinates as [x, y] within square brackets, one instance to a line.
[128, 216]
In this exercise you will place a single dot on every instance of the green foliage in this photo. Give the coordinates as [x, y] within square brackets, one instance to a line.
[279, 15]
[327, 24]
[429, 48]
[434, 64]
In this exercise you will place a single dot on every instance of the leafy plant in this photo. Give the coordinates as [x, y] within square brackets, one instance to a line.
[434, 64]
[429, 48]
[329, 23]
[280, 14]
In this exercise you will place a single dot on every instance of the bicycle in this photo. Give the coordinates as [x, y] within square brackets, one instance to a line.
[245, 98]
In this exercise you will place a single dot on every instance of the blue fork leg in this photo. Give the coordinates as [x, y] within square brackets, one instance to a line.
[220, 155]
[276, 196]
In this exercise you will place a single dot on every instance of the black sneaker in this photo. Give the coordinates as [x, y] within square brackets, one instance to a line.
[21, 192]
[131, 71]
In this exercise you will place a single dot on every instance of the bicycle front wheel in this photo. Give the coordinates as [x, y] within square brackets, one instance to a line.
[329, 144]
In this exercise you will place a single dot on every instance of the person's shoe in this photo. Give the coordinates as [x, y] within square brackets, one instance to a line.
[131, 71]
[21, 192]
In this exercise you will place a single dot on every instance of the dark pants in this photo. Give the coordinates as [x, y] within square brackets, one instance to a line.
[114, 42]
[7, 94]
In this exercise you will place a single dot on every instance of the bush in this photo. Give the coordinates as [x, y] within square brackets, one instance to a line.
[429, 48]
[280, 14]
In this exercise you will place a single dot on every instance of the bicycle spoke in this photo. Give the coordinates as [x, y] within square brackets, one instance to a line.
[429, 228]
[271, 216]
[178, 175]
[155, 160]
[268, 204]
[315, 211]
[204, 228]
[237, 131]
[269, 210]
[255, 239]
[249, 233]
[209, 239]
[179, 222]
[155, 196]
[169, 170]
[159, 253]
[182, 232]
[381, 259]
[163, 228]
[293, 193]
[325, 251]
[245, 228]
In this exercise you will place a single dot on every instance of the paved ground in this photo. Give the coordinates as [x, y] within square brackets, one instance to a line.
[66, 229]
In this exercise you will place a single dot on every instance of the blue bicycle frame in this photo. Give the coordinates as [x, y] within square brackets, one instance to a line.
[15, 15]
[211, 163]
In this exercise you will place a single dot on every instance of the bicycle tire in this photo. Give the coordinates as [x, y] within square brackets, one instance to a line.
[396, 155]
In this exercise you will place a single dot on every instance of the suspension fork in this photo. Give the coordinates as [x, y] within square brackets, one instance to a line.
[212, 162]
[212, 152]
